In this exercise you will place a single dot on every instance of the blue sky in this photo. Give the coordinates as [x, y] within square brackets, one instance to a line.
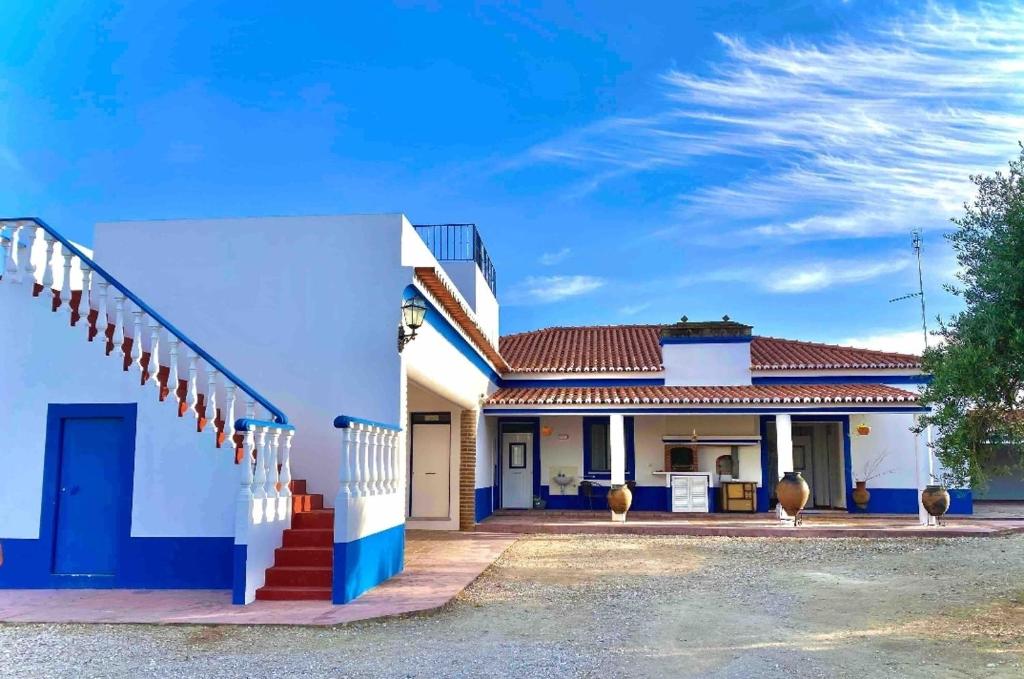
[626, 162]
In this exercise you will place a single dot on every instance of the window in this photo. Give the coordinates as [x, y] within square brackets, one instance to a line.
[517, 456]
[600, 453]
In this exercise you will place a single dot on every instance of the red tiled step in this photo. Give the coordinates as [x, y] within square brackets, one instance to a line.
[320, 518]
[299, 576]
[309, 537]
[294, 594]
[304, 556]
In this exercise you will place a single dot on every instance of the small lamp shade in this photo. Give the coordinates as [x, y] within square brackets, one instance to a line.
[413, 312]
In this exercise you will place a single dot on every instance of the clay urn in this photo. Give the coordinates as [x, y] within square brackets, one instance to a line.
[861, 495]
[619, 499]
[793, 492]
[935, 500]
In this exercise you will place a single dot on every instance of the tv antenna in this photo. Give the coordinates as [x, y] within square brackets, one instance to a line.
[915, 241]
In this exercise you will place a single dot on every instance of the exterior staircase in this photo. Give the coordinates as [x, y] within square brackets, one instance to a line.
[303, 567]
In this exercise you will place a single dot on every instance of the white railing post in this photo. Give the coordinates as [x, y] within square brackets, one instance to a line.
[173, 376]
[138, 316]
[102, 310]
[272, 477]
[85, 301]
[245, 491]
[259, 489]
[345, 477]
[27, 269]
[119, 322]
[372, 451]
[154, 354]
[8, 244]
[65, 285]
[211, 399]
[47, 281]
[229, 410]
[286, 465]
[193, 386]
[364, 461]
[13, 261]
[396, 464]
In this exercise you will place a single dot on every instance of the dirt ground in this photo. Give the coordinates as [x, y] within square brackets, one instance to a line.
[585, 606]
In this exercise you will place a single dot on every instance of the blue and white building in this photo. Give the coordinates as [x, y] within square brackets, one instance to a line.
[266, 405]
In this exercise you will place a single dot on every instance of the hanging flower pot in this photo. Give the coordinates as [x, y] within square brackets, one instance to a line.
[863, 429]
[793, 493]
[619, 499]
[935, 500]
[861, 495]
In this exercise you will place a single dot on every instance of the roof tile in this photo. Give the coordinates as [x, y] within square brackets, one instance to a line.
[835, 394]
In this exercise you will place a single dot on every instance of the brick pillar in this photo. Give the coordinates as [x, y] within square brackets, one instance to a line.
[467, 469]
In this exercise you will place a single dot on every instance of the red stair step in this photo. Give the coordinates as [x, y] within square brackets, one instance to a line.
[298, 486]
[294, 594]
[304, 556]
[320, 518]
[299, 576]
[309, 537]
[307, 503]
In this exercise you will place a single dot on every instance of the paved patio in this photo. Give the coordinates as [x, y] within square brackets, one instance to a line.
[438, 566]
[815, 525]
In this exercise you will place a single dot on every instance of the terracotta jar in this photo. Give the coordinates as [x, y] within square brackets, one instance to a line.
[861, 495]
[793, 492]
[935, 500]
[619, 499]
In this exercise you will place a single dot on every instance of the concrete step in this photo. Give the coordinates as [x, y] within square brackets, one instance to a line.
[299, 576]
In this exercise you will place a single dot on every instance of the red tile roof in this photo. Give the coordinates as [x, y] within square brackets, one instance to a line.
[608, 348]
[834, 394]
[772, 353]
[637, 348]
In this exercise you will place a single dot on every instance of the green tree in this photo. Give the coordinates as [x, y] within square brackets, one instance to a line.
[977, 391]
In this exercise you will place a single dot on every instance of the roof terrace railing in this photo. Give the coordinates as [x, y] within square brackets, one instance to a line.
[459, 243]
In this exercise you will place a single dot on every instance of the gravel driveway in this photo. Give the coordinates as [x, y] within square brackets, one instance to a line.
[586, 606]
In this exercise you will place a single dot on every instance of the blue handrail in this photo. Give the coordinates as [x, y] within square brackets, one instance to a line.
[346, 422]
[279, 416]
[245, 424]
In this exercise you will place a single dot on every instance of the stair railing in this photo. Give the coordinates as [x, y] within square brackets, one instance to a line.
[371, 463]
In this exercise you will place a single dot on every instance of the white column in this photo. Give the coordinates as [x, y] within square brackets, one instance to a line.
[617, 452]
[784, 448]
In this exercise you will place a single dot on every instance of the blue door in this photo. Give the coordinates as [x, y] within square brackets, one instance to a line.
[91, 500]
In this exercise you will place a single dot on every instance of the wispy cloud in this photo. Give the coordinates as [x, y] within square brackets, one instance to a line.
[547, 289]
[552, 258]
[634, 309]
[809, 276]
[848, 137]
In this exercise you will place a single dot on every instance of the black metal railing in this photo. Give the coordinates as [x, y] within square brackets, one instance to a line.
[459, 243]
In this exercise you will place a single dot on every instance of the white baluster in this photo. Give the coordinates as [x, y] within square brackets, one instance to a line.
[385, 458]
[245, 491]
[193, 389]
[364, 461]
[250, 408]
[102, 310]
[286, 464]
[259, 484]
[357, 460]
[345, 468]
[28, 270]
[12, 272]
[119, 321]
[173, 376]
[154, 354]
[273, 477]
[138, 318]
[7, 244]
[85, 301]
[395, 462]
[249, 446]
[211, 398]
[47, 281]
[65, 285]
[229, 410]
[371, 460]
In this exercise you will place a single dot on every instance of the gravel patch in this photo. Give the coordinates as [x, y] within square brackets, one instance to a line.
[599, 606]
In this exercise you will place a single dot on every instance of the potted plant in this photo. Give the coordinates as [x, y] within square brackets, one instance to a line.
[870, 470]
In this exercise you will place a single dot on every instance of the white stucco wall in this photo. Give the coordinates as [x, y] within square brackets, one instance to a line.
[470, 281]
[183, 485]
[890, 437]
[707, 364]
[304, 309]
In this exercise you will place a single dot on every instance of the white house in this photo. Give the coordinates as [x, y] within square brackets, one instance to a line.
[238, 404]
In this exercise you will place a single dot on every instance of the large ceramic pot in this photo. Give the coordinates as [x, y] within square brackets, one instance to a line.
[861, 495]
[793, 492]
[935, 500]
[619, 499]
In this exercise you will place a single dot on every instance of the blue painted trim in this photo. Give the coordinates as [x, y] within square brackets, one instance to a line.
[483, 503]
[279, 416]
[580, 382]
[244, 424]
[362, 564]
[240, 556]
[907, 500]
[142, 563]
[842, 379]
[345, 422]
[763, 498]
[591, 411]
[734, 339]
[628, 433]
[439, 322]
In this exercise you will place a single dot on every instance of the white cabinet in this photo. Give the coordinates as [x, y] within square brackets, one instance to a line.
[689, 492]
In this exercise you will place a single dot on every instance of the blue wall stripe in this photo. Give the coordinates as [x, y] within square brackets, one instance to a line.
[362, 564]
[240, 556]
[484, 502]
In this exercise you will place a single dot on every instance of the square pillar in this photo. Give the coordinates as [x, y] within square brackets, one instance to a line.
[617, 451]
[784, 451]
[467, 469]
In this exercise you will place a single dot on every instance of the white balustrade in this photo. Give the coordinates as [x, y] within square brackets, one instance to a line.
[259, 482]
[370, 459]
[28, 269]
[138, 318]
[102, 311]
[65, 285]
[286, 465]
[118, 337]
[85, 301]
[154, 354]
[248, 479]
[47, 281]
[193, 389]
[273, 478]
[229, 414]
[11, 272]
[211, 399]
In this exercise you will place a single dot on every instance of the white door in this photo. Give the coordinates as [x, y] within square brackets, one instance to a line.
[803, 461]
[431, 468]
[689, 493]
[517, 471]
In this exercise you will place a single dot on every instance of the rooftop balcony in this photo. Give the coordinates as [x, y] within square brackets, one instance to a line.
[459, 243]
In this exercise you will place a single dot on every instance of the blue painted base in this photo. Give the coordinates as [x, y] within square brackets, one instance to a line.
[241, 556]
[484, 498]
[362, 564]
[144, 563]
[905, 501]
[645, 499]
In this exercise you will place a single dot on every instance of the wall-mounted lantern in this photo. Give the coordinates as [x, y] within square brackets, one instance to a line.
[413, 312]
